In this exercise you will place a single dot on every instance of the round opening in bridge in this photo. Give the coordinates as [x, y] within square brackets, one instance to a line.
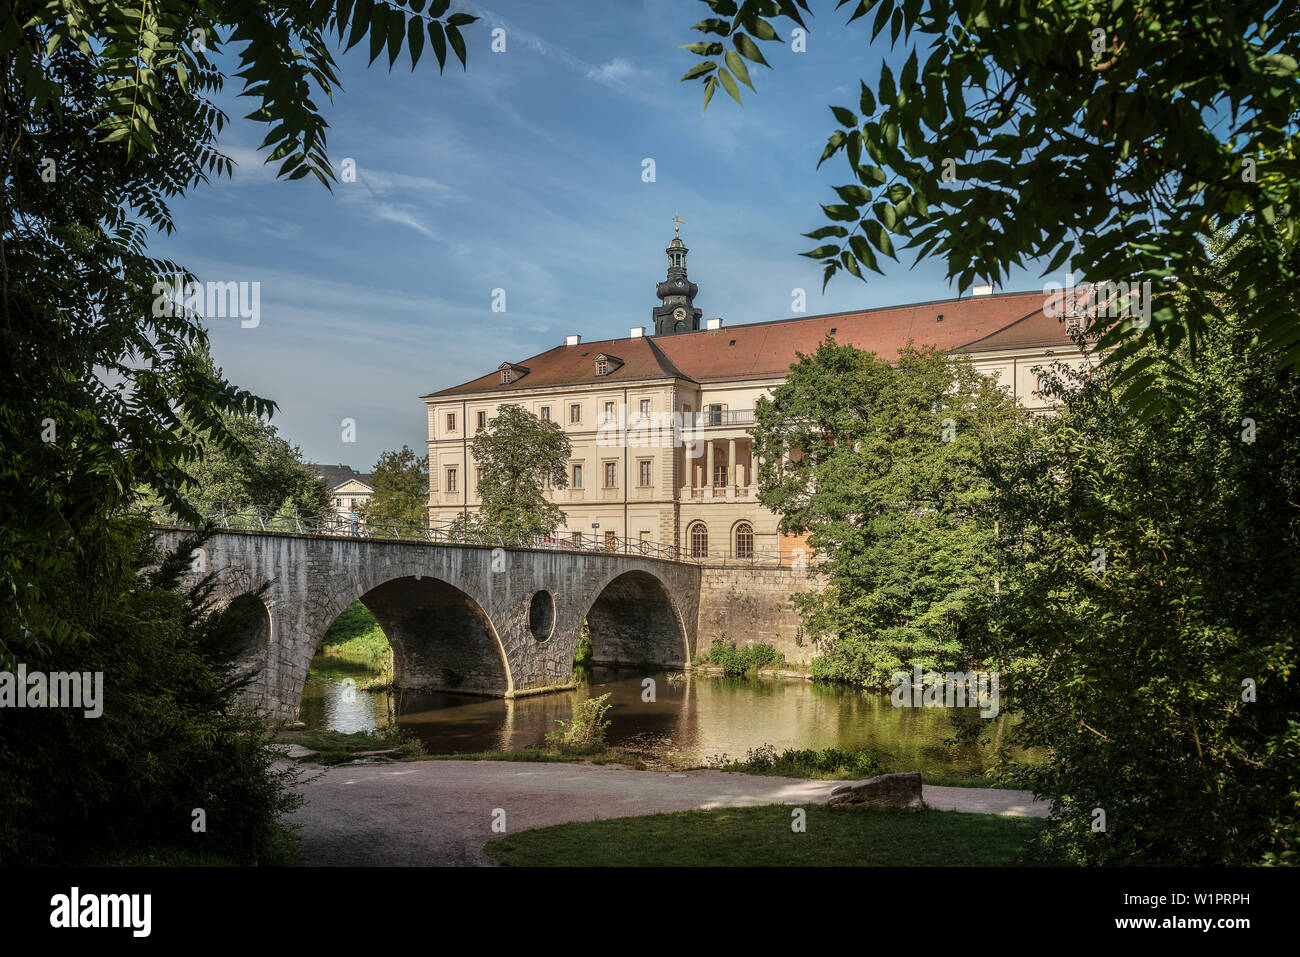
[541, 615]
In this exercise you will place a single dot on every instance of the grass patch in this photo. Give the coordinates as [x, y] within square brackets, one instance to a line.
[356, 636]
[281, 852]
[831, 764]
[335, 747]
[761, 837]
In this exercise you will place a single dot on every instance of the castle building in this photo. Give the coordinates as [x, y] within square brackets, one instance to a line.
[618, 401]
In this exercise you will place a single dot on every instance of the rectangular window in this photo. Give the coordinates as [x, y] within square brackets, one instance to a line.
[645, 406]
[546, 413]
[451, 421]
[719, 475]
[482, 420]
[576, 537]
[611, 469]
[546, 480]
[575, 413]
[715, 414]
[478, 477]
[451, 480]
[611, 541]
[643, 473]
[609, 411]
[577, 476]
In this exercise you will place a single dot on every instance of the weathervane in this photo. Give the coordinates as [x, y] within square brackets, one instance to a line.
[677, 224]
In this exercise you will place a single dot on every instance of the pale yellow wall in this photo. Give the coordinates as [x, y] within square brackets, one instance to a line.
[677, 495]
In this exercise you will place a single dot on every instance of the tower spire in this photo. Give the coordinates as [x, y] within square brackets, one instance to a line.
[676, 311]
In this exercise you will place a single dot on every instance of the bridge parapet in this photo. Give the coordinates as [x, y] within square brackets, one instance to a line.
[477, 617]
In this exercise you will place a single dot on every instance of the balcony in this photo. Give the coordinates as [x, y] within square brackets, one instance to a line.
[722, 417]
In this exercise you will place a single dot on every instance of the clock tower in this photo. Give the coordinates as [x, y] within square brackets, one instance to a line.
[676, 311]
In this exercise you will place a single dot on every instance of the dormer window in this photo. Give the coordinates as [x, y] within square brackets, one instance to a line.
[605, 364]
[602, 367]
[511, 372]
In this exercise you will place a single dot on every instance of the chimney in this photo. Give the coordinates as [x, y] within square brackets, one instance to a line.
[715, 323]
[636, 332]
[572, 340]
[982, 290]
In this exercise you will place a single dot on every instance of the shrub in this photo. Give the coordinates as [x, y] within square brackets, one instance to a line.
[736, 661]
[171, 737]
[585, 731]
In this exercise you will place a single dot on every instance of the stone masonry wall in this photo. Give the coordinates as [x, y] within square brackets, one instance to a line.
[752, 605]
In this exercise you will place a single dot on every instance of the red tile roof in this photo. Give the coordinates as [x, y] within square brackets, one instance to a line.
[767, 349]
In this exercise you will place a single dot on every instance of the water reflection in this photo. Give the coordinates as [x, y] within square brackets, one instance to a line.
[693, 719]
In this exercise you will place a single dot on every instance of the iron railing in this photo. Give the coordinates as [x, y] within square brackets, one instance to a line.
[723, 417]
[261, 518]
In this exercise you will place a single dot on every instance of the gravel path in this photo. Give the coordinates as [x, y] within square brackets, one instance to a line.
[441, 812]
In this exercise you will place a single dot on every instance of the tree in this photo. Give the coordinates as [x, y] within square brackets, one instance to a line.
[171, 736]
[1119, 137]
[265, 471]
[516, 452]
[1146, 627]
[107, 115]
[401, 496]
[883, 475]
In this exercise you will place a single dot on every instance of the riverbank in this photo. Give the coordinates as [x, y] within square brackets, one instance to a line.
[443, 812]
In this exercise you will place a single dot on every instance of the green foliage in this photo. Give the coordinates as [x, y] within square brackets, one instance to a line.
[805, 763]
[585, 731]
[737, 661]
[885, 477]
[1133, 676]
[336, 747]
[515, 453]
[582, 651]
[401, 496]
[264, 470]
[171, 737]
[107, 397]
[1119, 137]
[356, 636]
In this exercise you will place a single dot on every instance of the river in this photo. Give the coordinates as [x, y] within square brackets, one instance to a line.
[693, 719]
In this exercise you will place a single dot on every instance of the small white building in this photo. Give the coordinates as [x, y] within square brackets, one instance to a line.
[348, 489]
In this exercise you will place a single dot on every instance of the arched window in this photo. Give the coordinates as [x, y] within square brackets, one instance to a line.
[699, 535]
[744, 540]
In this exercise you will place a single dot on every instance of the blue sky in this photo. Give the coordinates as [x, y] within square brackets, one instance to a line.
[524, 174]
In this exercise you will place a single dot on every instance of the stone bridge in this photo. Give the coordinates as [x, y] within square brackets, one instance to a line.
[474, 618]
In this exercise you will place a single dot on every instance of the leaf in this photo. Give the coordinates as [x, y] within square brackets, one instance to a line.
[439, 43]
[458, 44]
[845, 117]
[396, 26]
[378, 34]
[749, 49]
[729, 84]
[360, 22]
[415, 39]
[738, 68]
[698, 69]
[866, 102]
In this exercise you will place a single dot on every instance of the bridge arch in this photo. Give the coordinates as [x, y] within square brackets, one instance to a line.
[441, 637]
[633, 620]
